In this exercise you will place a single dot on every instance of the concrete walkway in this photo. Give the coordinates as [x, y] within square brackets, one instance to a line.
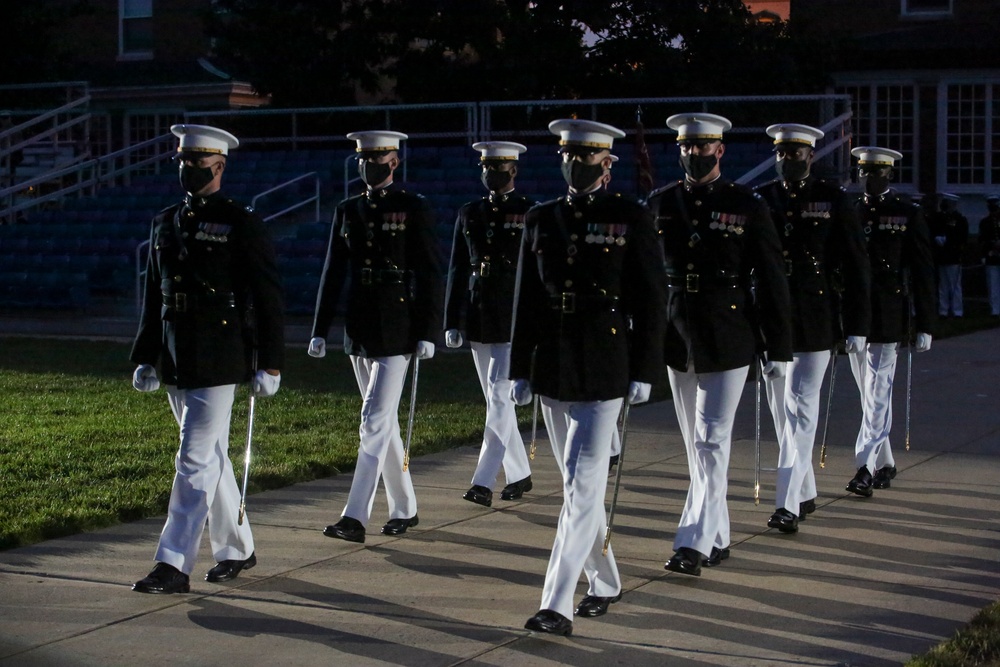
[864, 582]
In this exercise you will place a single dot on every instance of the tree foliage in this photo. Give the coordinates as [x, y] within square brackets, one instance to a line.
[310, 52]
[29, 51]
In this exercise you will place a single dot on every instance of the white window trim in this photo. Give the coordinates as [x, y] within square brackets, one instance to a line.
[942, 136]
[122, 53]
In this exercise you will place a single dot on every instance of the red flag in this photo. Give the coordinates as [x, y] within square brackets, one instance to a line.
[643, 165]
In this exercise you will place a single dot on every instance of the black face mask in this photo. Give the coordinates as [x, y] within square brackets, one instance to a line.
[874, 184]
[580, 176]
[792, 170]
[698, 167]
[495, 181]
[373, 173]
[194, 179]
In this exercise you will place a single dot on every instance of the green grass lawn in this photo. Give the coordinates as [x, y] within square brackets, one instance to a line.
[80, 449]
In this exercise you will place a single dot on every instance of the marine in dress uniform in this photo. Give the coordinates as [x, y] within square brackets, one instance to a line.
[588, 330]
[989, 245]
[949, 232]
[715, 233]
[212, 317]
[479, 301]
[900, 258]
[384, 240]
[822, 246]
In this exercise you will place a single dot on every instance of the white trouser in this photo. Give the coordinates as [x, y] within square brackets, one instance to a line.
[993, 287]
[616, 442]
[380, 452]
[706, 407]
[794, 401]
[873, 371]
[502, 443]
[950, 290]
[580, 434]
[205, 485]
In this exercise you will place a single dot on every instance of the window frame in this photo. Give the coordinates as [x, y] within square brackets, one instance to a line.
[975, 146]
[873, 127]
[125, 53]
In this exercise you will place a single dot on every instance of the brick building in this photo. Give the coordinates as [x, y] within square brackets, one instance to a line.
[925, 79]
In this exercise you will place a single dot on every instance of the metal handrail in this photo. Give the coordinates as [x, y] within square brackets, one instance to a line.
[827, 148]
[98, 175]
[280, 186]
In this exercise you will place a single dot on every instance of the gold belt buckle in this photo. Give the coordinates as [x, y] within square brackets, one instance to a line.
[366, 276]
[180, 302]
[484, 270]
[569, 302]
[691, 282]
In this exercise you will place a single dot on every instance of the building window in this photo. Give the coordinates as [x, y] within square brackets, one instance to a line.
[886, 116]
[920, 8]
[141, 127]
[135, 28]
[972, 135]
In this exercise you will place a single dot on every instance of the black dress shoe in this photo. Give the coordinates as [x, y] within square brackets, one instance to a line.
[515, 490]
[806, 507]
[399, 526]
[862, 483]
[594, 605]
[685, 561]
[229, 569]
[479, 495]
[882, 476]
[163, 579]
[716, 557]
[550, 621]
[784, 521]
[612, 462]
[346, 529]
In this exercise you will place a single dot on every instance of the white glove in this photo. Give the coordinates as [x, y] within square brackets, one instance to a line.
[317, 348]
[425, 349]
[775, 369]
[638, 392]
[520, 392]
[144, 378]
[939, 240]
[453, 338]
[923, 342]
[855, 344]
[265, 384]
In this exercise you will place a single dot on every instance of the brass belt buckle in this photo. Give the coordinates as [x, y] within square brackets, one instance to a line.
[691, 282]
[569, 302]
[180, 302]
[366, 276]
[484, 270]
